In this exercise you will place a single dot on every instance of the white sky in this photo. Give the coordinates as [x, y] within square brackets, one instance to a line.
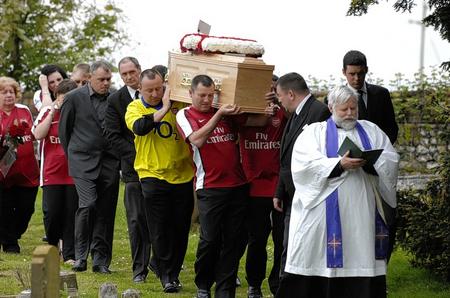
[308, 37]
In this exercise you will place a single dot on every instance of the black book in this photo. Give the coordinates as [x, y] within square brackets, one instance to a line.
[370, 156]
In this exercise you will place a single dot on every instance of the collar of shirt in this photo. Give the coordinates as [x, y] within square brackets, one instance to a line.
[301, 104]
[93, 93]
[363, 89]
[131, 91]
[146, 105]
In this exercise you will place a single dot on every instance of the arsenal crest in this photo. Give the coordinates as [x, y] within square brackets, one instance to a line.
[276, 122]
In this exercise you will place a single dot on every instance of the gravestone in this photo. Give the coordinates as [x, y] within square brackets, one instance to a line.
[68, 280]
[108, 290]
[131, 293]
[45, 272]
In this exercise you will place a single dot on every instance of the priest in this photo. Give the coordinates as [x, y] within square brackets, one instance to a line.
[338, 236]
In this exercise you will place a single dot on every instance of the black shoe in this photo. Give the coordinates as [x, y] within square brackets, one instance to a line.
[11, 248]
[238, 282]
[254, 292]
[44, 238]
[140, 278]
[79, 266]
[101, 269]
[170, 287]
[203, 293]
[177, 284]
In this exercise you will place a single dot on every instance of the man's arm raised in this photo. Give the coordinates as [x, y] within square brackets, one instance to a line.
[199, 137]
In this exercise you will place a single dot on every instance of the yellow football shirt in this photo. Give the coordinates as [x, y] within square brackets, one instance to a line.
[162, 153]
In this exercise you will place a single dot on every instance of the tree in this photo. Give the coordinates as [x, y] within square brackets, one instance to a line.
[439, 18]
[63, 32]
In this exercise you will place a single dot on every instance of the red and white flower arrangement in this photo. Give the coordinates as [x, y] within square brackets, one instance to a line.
[201, 43]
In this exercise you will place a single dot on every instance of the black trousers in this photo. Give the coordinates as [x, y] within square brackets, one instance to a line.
[94, 219]
[300, 286]
[262, 219]
[168, 208]
[59, 219]
[222, 213]
[287, 204]
[17, 207]
[137, 228]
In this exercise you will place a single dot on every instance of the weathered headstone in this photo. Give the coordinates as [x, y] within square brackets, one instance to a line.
[45, 272]
[108, 290]
[68, 280]
[131, 293]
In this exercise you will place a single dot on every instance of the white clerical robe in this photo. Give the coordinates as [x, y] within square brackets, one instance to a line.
[307, 247]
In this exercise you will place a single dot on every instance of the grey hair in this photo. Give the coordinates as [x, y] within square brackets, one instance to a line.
[100, 64]
[340, 95]
[130, 59]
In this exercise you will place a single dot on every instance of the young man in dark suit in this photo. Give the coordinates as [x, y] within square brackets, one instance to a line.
[122, 140]
[374, 102]
[375, 105]
[294, 95]
[94, 168]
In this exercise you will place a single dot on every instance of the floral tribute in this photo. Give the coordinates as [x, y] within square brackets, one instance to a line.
[202, 43]
[9, 143]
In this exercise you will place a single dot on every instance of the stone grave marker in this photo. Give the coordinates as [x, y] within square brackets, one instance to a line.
[45, 272]
[131, 293]
[108, 290]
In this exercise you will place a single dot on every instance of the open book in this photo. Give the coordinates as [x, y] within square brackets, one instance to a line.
[370, 156]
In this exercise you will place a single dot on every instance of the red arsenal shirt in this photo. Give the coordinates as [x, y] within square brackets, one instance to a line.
[217, 162]
[24, 172]
[54, 167]
[260, 152]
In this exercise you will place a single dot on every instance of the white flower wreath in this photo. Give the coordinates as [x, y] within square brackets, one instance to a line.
[199, 43]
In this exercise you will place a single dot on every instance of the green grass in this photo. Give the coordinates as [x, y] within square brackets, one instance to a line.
[403, 280]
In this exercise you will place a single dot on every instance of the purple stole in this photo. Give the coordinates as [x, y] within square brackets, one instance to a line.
[334, 233]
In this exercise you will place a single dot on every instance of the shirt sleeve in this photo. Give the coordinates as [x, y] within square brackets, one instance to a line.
[37, 100]
[40, 117]
[185, 127]
[138, 123]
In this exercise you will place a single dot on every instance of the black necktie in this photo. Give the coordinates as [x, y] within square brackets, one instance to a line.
[136, 95]
[362, 110]
[294, 118]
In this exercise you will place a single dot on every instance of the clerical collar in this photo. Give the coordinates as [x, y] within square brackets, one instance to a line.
[131, 91]
[301, 104]
[147, 105]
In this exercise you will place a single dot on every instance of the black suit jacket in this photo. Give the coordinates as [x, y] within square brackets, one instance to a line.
[117, 132]
[81, 135]
[380, 110]
[312, 111]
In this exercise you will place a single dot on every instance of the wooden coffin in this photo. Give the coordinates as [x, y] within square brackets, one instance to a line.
[239, 80]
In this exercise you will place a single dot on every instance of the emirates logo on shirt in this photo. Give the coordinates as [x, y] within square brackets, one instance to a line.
[276, 122]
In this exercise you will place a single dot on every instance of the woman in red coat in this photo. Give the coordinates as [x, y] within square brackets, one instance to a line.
[20, 182]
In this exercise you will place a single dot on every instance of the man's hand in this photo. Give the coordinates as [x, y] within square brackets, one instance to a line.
[278, 204]
[166, 98]
[228, 109]
[271, 97]
[271, 109]
[348, 163]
